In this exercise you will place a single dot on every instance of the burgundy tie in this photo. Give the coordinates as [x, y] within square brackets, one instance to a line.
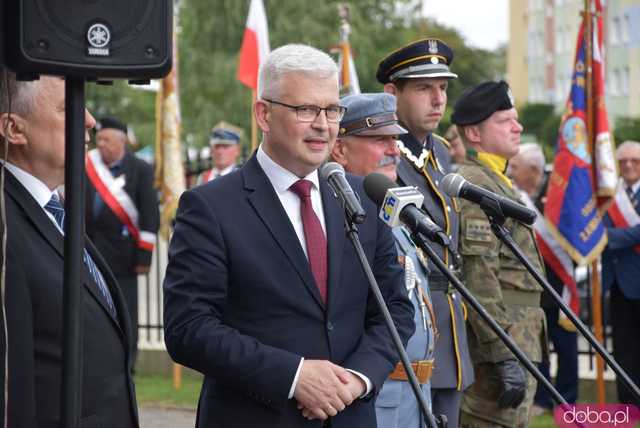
[313, 235]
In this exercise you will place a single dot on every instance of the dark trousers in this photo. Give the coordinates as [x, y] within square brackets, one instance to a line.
[565, 344]
[625, 319]
[129, 287]
[447, 402]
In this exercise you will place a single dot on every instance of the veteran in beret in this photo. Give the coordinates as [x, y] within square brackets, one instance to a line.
[503, 392]
[367, 143]
[418, 75]
[224, 143]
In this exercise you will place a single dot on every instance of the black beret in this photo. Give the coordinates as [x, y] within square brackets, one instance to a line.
[423, 58]
[111, 122]
[478, 103]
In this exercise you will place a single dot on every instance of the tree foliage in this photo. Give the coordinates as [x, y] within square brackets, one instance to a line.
[627, 128]
[210, 35]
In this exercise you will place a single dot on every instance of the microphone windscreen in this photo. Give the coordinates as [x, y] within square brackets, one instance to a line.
[330, 168]
[376, 186]
[452, 183]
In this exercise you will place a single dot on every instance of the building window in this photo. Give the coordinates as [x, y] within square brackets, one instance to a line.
[626, 28]
[624, 81]
[616, 30]
[615, 82]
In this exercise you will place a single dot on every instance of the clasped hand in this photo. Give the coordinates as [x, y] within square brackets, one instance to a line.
[324, 389]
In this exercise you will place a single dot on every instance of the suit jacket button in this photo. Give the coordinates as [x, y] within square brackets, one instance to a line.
[329, 325]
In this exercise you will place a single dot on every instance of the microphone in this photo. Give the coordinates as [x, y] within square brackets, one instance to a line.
[456, 186]
[334, 174]
[400, 205]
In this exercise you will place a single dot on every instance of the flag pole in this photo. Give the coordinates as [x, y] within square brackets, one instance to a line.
[254, 124]
[596, 292]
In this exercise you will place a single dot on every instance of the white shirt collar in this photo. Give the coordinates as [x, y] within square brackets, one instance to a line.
[225, 171]
[281, 179]
[38, 190]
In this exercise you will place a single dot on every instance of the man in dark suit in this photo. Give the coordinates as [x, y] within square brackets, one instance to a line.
[621, 266]
[263, 293]
[122, 211]
[32, 123]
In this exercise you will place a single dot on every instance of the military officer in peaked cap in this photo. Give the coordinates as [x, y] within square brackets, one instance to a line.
[502, 394]
[418, 75]
[224, 144]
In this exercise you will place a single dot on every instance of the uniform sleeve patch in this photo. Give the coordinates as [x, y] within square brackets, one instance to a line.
[478, 230]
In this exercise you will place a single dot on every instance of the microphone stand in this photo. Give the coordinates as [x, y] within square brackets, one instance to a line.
[497, 218]
[352, 233]
[508, 341]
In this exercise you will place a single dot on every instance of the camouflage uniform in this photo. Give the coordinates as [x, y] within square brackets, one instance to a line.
[508, 292]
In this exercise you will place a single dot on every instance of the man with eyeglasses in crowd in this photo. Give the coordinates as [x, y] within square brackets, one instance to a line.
[621, 266]
[263, 293]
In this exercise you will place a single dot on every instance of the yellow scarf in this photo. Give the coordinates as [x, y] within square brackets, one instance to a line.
[497, 164]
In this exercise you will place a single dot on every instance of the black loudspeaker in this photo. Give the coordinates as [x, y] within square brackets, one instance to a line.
[96, 39]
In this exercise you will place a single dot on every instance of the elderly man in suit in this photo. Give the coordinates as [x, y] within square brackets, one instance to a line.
[32, 127]
[621, 266]
[263, 293]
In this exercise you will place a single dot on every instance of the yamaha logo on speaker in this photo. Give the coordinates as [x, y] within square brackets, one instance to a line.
[98, 37]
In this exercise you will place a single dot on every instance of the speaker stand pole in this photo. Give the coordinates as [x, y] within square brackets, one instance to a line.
[74, 226]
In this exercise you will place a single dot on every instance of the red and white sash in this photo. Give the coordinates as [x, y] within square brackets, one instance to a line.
[112, 192]
[555, 257]
[622, 212]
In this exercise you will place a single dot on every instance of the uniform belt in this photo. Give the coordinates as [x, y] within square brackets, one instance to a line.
[438, 283]
[521, 298]
[422, 369]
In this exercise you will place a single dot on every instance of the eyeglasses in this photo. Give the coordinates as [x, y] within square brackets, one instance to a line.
[309, 113]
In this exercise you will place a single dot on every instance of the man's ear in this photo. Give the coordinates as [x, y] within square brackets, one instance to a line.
[12, 128]
[339, 152]
[472, 133]
[390, 88]
[262, 113]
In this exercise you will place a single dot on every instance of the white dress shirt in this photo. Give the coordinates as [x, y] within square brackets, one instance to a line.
[282, 179]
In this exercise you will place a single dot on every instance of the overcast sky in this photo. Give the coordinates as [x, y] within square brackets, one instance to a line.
[483, 23]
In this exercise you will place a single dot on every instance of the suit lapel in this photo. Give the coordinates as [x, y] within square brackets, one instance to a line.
[268, 208]
[34, 212]
[335, 223]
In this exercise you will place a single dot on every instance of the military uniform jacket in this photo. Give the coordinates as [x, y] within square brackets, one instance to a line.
[396, 405]
[424, 166]
[106, 230]
[494, 275]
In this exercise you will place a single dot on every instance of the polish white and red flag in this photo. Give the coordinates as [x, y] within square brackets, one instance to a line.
[255, 45]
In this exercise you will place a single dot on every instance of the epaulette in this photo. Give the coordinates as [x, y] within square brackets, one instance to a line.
[442, 140]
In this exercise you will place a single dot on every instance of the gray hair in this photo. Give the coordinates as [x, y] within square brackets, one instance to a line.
[532, 154]
[628, 144]
[16, 96]
[293, 58]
